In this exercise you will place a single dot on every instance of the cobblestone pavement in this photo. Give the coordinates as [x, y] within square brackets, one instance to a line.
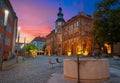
[114, 63]
[29, 71]
[59, 78]
[38, 70]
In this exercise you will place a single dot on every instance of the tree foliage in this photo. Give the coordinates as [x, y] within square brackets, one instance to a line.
[107, 22]
[30, 48]
[44, 46]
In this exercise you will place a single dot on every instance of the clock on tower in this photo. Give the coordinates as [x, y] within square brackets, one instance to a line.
[60, 20]
[59, 23]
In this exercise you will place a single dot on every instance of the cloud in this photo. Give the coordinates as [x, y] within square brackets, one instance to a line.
[35, 16]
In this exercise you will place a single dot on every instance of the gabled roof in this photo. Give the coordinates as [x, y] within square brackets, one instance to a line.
[39, 39]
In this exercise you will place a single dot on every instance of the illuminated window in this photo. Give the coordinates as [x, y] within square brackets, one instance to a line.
[108, 48]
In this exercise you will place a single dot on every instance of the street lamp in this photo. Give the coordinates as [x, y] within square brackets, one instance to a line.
[78, 65]
[18, 35]
[4, 37]
[24, 46]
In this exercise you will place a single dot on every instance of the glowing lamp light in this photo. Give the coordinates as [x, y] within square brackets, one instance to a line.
[49, 53]
[85, 53]
[79, 52]
[18, 34]
[6, 17]
[19, 28]
[108, 48]
[6, 11]
[69, 53]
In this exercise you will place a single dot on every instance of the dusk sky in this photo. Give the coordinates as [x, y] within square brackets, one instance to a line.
[37, 17]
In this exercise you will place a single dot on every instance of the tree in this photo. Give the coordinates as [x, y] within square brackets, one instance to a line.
[44, 46]
[31, 48]
[107, 22]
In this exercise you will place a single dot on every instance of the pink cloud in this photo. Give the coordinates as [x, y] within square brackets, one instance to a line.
[34, 19]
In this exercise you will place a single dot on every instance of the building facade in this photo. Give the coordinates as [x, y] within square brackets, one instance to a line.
[76, 38]
[71, 37]
[11, 28]
[54, 39]
[39, 42]
[50, 43]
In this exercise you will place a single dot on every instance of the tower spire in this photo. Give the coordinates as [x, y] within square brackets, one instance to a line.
[60, 20]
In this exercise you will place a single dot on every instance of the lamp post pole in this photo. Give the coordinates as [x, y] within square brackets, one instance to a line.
[78, 67]
[18, 44]
[24, 46]
[3, 38]
[78, 54]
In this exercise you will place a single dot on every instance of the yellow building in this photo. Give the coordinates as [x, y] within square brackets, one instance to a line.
[76, 38]
[72, 37]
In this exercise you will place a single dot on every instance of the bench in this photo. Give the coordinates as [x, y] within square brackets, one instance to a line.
[57, 60]
[116, 58]
[51, 63]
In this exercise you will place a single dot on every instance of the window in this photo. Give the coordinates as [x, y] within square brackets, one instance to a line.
[87, 23]
[77, 23]
[7, 41]
[10, 17]
[56, 30]
[35, 43]
[1, 20]
[0, 37]
[8, 28]
[67, 28]
[71, 26]
[2, 4]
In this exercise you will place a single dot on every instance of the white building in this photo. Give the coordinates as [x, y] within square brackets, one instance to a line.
[39, 42]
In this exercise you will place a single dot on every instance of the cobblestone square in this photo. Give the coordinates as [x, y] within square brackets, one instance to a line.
[38, 70]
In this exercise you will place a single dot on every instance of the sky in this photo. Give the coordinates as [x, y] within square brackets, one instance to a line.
[37, 17]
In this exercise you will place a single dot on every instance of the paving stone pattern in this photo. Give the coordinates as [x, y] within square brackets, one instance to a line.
[29, 71]
[38, 70]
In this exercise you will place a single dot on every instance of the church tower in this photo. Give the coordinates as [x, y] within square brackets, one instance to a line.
[60, 20]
